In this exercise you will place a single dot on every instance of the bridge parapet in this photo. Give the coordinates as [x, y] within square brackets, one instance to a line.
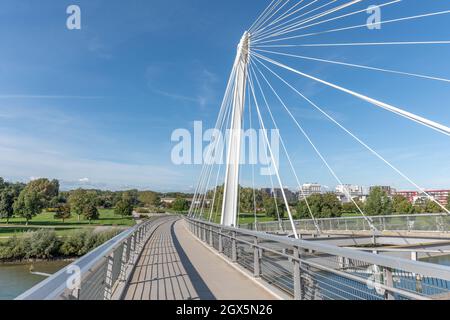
[310, 270]
[103, 273]
[437, 223]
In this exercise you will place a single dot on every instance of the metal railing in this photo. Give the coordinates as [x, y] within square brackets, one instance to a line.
[308, 270]
[102, 274]
[407, 223]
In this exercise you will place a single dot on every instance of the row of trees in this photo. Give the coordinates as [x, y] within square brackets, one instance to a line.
[323, 205]
[28, 200]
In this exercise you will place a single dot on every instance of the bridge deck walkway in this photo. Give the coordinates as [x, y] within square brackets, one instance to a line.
[175, 266]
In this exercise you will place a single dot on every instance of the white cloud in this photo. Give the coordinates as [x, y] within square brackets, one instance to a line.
[23, 157]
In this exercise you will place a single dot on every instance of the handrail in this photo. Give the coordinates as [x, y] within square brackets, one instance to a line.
[426, 269]
[54, 287]
[327, 270]
[419, 215]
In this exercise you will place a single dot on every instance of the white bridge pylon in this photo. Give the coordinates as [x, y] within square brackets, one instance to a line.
[230, 204]
[256, 80]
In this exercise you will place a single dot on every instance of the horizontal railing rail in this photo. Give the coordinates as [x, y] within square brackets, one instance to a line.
[311, 270]
[102, 274]
[429, 222]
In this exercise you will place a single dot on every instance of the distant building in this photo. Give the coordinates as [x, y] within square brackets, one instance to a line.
[309, 189]
[343, 192]
[388, 189]
[417, 197]
[290, 196]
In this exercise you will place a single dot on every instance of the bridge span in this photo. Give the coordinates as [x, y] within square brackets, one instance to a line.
[174, 258]
[173, 266]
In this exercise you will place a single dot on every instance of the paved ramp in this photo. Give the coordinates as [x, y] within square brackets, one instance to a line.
[175, 266]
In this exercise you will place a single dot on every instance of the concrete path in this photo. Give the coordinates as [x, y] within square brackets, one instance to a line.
[175, 266]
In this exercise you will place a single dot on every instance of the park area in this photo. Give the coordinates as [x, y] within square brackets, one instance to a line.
[46, 220]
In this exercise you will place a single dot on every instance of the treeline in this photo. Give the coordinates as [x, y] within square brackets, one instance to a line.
[326, 205]
[44, 244]
[28, 200]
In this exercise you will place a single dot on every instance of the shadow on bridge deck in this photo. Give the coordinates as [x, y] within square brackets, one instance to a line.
[175, 266]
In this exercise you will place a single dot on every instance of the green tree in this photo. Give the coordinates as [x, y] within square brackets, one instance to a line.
[63, 212]
[378, 203]
[7, 198]
[432, 207]
[401, 205]
[28, 205]
[45, 189]
[273, 207]
[321, 205]
[149, 198]
[77, 200]
[180, 205]
[90, 211]
[124, 207]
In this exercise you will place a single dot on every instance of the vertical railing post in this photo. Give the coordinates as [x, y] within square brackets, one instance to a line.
[125, 257]
[233, 247]
[298, 289]
[204, 233]
[256, 259]
[220, 241]
[108, 281]
[133, 248]
[389, 282]
[211, 236]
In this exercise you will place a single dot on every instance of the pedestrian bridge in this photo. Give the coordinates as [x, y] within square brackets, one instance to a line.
[175, 258]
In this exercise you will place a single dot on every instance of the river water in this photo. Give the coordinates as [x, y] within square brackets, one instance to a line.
[16, 278]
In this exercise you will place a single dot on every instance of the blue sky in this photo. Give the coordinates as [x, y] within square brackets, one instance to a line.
[97, 106]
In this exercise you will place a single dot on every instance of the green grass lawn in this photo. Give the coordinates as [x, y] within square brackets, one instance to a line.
[17, 226]
[107, 218]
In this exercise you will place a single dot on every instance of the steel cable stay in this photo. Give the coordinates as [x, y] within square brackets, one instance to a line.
[263, 128]
[375, 24]
[270, 174]
[418, 119]
[286, 152]
[313, 145]
[294, 27]
[421, 189]
[260, 32]
[230, 83]
[355, 65]
[276, 32]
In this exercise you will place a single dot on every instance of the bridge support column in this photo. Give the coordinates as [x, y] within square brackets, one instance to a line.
[230, 204]
[298, 288]
[256, 259]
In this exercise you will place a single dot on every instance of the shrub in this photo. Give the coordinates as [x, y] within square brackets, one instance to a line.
[143, 210]
[73, 244]
[43, 244]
